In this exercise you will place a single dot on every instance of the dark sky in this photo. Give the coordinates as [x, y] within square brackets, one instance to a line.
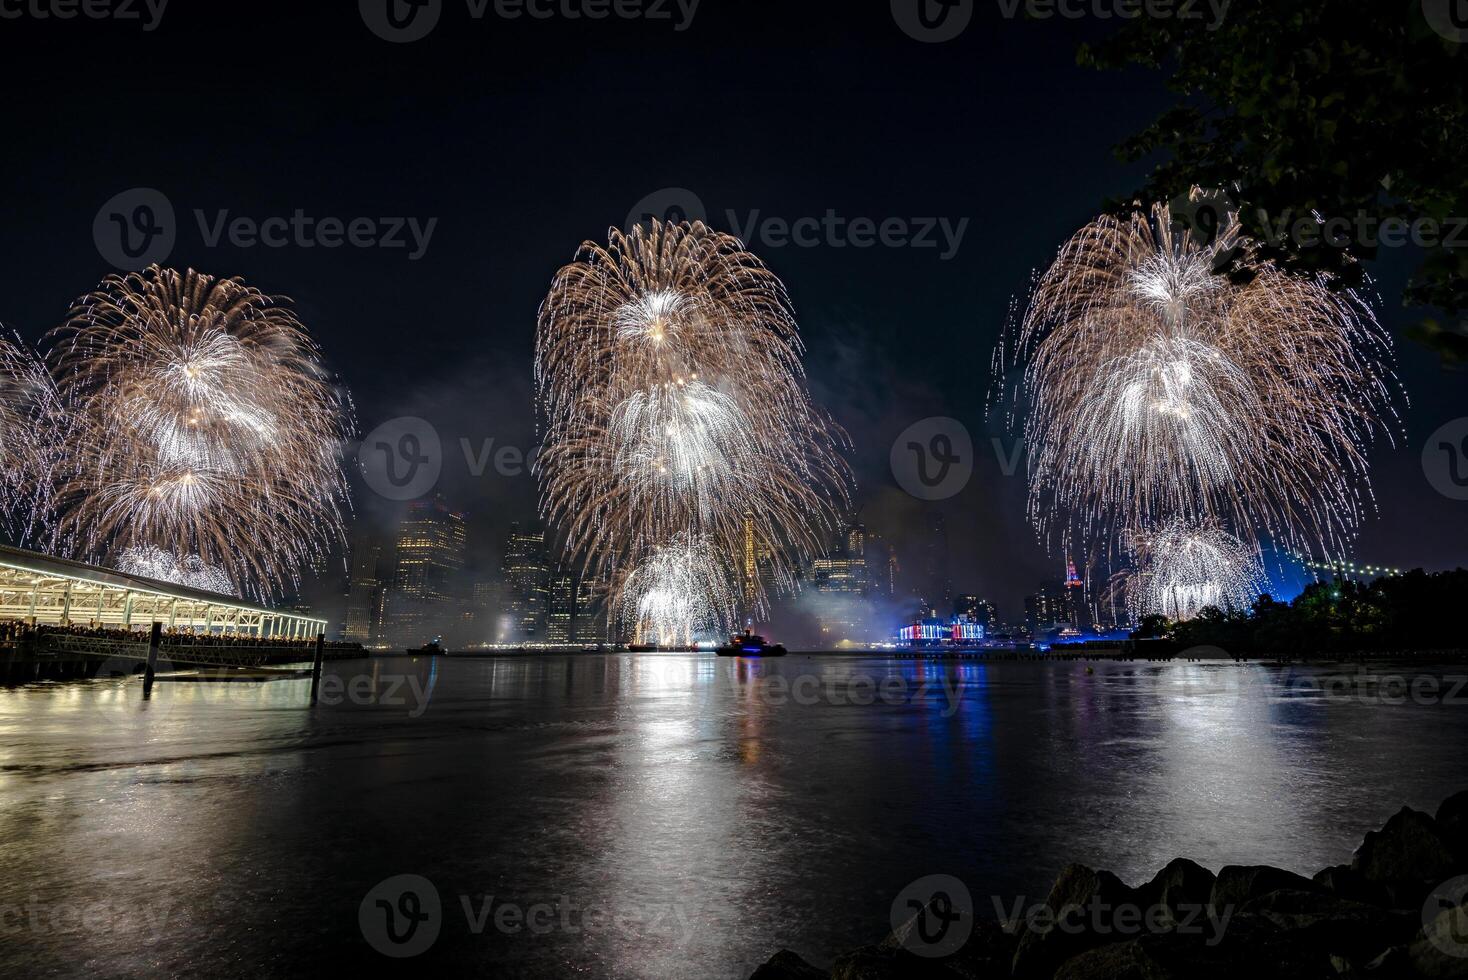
[525, 137]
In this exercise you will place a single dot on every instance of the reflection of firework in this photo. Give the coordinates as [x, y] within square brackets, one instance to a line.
[1183, 569]
[199, 422]
[669, 378]
[27, 411]
[677, 593]
[1158, 389]
[163, 566]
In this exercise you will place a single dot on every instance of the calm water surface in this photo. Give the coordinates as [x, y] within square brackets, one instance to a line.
[707, 812]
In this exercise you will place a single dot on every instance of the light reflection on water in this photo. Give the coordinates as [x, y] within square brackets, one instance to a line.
[723, 809]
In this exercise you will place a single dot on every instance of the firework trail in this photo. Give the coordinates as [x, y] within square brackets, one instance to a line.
[1157, 389]
[1182, 569]
[677, 593]
[669, 380]
[199, 423]
[27, 414]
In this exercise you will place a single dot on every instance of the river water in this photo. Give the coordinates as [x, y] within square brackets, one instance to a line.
[655, 815]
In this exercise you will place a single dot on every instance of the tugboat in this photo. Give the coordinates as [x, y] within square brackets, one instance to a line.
[433, 649]
[750, 644]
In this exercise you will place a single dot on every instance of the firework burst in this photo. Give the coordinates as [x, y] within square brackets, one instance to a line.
[1156, 388]
[668, 369]
[199, 425]
[677, 593]
[27, 414]
[1183, 568]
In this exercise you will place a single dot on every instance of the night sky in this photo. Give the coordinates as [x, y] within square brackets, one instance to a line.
[525, 137]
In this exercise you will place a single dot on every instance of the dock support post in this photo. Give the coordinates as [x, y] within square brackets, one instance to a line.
[316, 667]
[155, 640]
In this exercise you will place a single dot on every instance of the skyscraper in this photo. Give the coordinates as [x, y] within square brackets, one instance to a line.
[562, 608]
[527, 575]
[365, 590]
[937, 585]
[428, 560]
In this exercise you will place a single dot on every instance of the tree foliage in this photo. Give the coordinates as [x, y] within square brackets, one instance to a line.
[1344, 109]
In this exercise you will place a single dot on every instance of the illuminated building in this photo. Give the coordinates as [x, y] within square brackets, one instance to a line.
[562, 608]
[366, 592]
[977, 610]
[527, 573]
[428, 561]
[938, 632]
[1077, 611]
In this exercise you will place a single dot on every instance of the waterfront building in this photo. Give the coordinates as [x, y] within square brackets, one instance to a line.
[366, 590]
[428, 562]
[526, 571]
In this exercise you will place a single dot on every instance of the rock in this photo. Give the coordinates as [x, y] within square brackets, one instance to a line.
[1181, 886]
[1082, 909]
[1452, 823]
[1342, 882]
[885, 963]
[1256, 952]
[1442, 950]
[987, 952]
[1330, 925]
[786, 965]
[1409, 848]
[1237, 884]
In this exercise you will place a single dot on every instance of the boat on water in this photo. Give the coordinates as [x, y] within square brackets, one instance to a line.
[433, 649]
[750, 644]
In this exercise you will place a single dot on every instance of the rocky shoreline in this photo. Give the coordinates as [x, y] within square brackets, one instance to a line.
[1397, 910]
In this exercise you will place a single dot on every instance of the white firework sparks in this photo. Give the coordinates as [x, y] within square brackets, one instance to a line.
[162, 566]
[670, 384]
[1184, 568]
[677, 595]
[1157, 389]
